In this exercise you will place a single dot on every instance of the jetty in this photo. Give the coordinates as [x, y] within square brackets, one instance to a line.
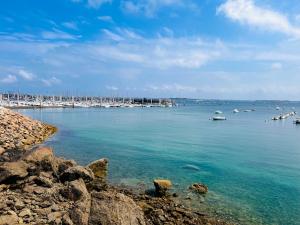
[17, 100]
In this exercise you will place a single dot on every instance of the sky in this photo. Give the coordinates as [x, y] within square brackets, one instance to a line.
[208, 49]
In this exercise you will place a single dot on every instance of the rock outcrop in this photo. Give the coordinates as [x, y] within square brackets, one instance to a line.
[114, 208]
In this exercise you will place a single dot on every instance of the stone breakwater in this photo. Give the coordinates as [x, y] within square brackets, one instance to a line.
[18, 133]
[39, 188]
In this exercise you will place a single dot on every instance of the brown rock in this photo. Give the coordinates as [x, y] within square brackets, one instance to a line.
[199, 188]
[39, 154]
[99, 168]
[66, 220]
[2, 150]
[9, 220]
[76, 172]
[54, 218]
[74, 190]
[111, 208]
[161, 186]
[25, 213]
[81, 211]
[11, 171]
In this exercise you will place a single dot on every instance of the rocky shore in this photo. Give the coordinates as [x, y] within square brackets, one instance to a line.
[19, 133]
[36, 187]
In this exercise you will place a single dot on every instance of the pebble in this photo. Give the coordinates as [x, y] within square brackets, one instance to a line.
[25, 213]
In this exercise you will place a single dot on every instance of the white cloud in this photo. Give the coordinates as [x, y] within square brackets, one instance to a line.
[112, 88]
[173, 88]
[97, 3]
[9, 79]
[51, 81]
[70, 25]
[58, 34]
[150, 7]
[247, 12]
[113, 36]
[276, 66]
[25, 74]
[106, 18]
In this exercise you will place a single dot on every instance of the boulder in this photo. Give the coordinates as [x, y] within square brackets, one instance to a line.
[76, 172]
[113, 208]
[39, 154]
[79, 214]
[9, 220]
[162, 186]
[199, 188]
[63, 164]
[12, 171]
[99, 168]
[75, 190]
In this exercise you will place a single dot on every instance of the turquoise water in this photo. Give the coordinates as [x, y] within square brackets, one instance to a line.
[250, 164]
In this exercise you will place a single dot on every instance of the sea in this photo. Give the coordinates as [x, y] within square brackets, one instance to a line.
[250, 163]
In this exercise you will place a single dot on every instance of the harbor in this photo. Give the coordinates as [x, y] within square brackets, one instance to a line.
[17, 100]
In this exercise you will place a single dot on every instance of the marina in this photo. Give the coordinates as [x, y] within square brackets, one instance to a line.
[16, 100]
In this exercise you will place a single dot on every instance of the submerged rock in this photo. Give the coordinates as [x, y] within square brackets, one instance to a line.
[112, 208]
[99, 168]
[199, 188]
[162, 186]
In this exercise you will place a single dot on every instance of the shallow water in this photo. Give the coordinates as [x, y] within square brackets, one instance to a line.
[250, 163]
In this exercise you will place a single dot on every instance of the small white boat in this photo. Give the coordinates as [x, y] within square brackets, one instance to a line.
[275, 118]
[219, 118]
[218, 112]
[236, 111]
[248, 110]
[277, 108]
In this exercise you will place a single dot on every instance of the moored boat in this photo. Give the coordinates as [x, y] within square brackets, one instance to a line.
[219, 118]
[218, 112]
[236, 111]
[297, 121]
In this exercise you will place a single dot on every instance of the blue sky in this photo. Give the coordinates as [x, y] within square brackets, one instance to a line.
[224, 49]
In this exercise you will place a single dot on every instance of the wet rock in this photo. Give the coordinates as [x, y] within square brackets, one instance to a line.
[74, 173]
[162, 186]
[11, 171]
[199, 188]
[112, 208]
[99, 168]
